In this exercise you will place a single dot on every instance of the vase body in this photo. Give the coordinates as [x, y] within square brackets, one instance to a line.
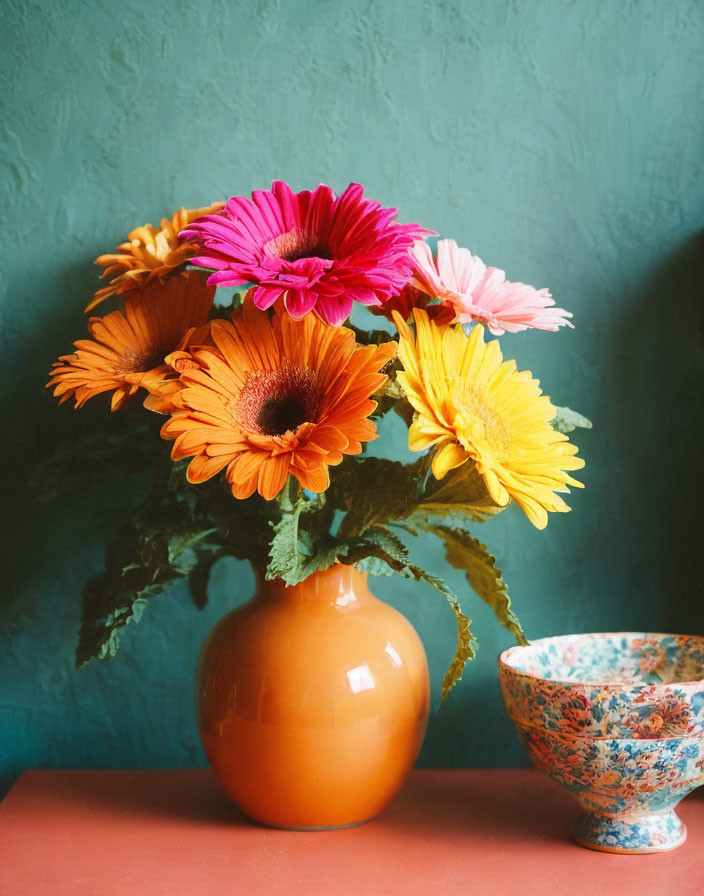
[313, 701]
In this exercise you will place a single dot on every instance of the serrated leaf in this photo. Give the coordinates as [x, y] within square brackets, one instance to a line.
[471, 556]
[370, 337]
[293, 544]
[466, 651]
[378, 551]
[462, 493]
[567, 420]
[376, 491]
[181, 548]
[109, 603]
[155, 548]
[126, 445]
[244, 524]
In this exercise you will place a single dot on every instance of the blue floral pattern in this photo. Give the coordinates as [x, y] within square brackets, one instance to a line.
[635, 685]
[589, 713]
[655, 833]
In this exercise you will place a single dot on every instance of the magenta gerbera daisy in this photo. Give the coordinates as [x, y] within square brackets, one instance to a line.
[315, 249]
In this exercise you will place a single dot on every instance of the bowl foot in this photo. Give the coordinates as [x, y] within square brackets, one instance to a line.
[653, 833]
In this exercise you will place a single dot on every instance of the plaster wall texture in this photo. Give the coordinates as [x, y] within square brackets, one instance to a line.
[561, 141]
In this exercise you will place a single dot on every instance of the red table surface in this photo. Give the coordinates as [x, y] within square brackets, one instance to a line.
[493, 831]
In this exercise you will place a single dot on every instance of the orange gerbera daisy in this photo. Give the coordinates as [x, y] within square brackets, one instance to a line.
[273, 397]
[149, 254]
[127, 350]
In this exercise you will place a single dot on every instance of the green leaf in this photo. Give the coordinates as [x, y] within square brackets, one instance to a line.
[370, 337]
[460, 494]
[244, 524]
[121, 442]
[376, 491]
[198, 580]
[464, 552]
[293, 543]
[566, 420]
[466, 651]
[181, 548]
[159, 545]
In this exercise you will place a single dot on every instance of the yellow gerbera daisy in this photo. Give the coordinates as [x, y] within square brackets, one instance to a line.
[474, 406]
[150, 253]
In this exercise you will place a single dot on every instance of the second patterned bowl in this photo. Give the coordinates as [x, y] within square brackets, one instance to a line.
[619, 720]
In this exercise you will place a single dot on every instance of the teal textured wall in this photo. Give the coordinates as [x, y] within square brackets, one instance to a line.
[561, 141]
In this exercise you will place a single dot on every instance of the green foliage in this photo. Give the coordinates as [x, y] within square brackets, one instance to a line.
[293, 547]
[181, 530]
[156, 547]
[376, 491]
[566, 420]
[388, 549]
[461, 494]
[199, 575]
[370, 337]
[464, 552]
[129, 445]
[178, 532]
[466, 650]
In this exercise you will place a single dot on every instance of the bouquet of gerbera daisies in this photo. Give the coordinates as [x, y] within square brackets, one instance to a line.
[270, 400]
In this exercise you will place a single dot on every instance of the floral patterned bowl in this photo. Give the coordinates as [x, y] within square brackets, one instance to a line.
[619, 720]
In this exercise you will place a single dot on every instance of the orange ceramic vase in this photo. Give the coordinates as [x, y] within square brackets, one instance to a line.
[313, 701]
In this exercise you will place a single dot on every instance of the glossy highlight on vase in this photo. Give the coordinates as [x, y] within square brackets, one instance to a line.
[313, 701]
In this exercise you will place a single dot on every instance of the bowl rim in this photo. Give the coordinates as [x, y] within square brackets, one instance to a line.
[610, 685]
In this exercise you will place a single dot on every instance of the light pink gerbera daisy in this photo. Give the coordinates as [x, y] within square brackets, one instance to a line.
[317, 250]
[483, 294]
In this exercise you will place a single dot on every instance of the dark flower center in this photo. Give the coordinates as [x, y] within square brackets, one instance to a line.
[278, 415]
[274, 402]
[142, 361]
[296, 244]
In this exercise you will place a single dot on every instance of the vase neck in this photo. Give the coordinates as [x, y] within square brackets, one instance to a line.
[339, 585]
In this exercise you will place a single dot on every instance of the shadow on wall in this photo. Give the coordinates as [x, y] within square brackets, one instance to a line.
[37, 427]
[663, 338]
[48, 548]
[683, 460]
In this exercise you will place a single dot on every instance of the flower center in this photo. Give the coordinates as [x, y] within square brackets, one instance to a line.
[496, 430]
[296, 244]
[142, 361]
[274, 402]
[281, 414]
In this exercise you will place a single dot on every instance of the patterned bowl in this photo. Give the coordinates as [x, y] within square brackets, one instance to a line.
[619, 720]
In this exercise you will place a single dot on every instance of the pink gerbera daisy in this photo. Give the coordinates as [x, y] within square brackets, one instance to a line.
[483, 294]
[316, 250]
